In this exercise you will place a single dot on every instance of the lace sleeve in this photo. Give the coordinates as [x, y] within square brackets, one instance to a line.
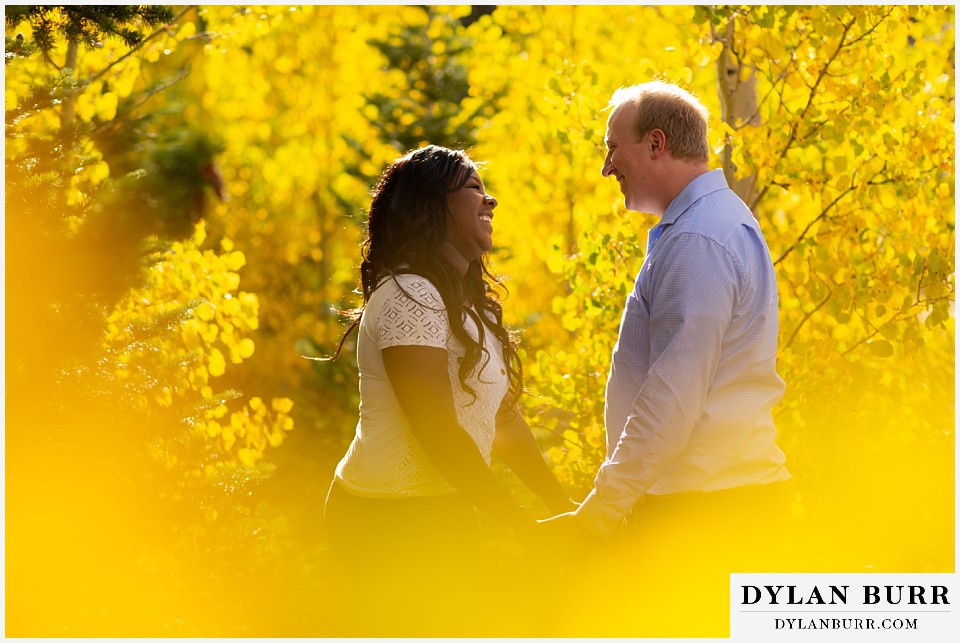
[412, 314]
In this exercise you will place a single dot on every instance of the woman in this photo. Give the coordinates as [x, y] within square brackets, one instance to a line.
[439, 375]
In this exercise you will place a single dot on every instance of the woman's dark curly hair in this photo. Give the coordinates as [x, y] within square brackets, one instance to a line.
[406, 233]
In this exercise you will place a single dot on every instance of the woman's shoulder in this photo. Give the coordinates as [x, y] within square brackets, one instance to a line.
[406, 310]
[410, 286]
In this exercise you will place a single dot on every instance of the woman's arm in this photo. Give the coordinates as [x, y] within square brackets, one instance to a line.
[516, 446]
[418, 376]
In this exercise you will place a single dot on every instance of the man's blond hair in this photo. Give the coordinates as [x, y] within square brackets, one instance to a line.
[665, 106]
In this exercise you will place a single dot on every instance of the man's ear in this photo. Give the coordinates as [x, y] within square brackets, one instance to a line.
[658, 143]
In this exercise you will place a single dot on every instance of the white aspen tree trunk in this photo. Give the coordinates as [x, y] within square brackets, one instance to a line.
[738, 99]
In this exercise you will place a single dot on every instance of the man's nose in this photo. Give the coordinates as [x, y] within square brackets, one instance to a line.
[607, 168]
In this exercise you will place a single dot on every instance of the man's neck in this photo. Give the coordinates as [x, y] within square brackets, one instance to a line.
[677, 179]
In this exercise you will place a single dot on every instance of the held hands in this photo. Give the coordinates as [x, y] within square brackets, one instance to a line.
[562, 506]
[564, 531]
[556, 533]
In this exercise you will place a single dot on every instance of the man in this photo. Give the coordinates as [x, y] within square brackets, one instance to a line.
[691, 454]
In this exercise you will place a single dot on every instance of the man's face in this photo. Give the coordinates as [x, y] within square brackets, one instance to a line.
[628, 160]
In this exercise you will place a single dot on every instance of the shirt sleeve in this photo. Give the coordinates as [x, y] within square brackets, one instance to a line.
[691, 291]
[412, 314]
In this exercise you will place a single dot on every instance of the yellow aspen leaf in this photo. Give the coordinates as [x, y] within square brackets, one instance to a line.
[234, 354]
[216, 363]
[234, 260]
[204, 311]
[106, 106]
[842, 333]
[281, 404]
[200, 375]
[199, 232]
[888, 199]
[209, 332]
[186, 30]
[246, 347]
[275, 438]
[250, 302]
[230, 307]
[571, 436]
[880, 348]
[97, 172]
[229, 437]
[716, 48]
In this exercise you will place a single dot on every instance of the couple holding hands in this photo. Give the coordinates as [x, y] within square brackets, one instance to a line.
[691, 451]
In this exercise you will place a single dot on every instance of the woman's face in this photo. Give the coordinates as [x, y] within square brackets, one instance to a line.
[470, 228]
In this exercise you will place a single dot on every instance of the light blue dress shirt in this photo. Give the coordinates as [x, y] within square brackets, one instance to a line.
[693, 376]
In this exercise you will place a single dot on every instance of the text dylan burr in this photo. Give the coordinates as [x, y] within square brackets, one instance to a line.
[838, 595]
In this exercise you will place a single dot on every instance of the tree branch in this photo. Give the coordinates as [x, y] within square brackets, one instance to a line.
[903, 314]
[923, 271]
[871, 29]
[799, 119]
[557, 433]
[806, 318]
[139, 45]
[811, 224]
[184, 71]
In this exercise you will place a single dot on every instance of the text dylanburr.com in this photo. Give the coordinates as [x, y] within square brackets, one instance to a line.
[844, 607]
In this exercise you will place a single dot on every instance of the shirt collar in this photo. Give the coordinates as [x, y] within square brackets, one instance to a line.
[696, 189]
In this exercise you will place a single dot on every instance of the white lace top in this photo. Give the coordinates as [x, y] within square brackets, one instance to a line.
[385, 459]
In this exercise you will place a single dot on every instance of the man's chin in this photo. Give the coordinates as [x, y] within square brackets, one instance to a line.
[633, 206]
